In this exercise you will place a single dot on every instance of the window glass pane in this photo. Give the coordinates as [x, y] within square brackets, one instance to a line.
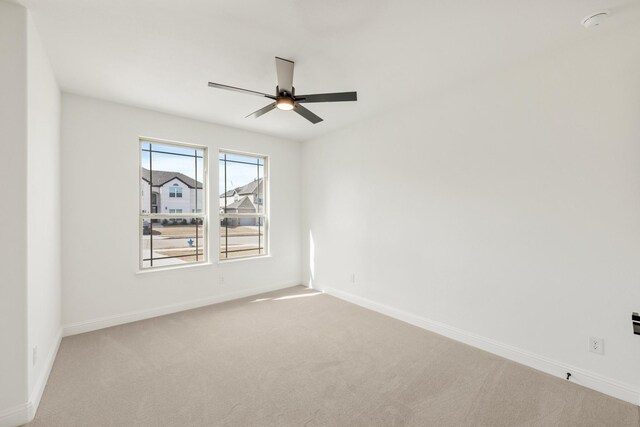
[145, 189]
[259, 200]
[199, 197]
[239, 176]
[230, 157]
[173, 174]
[242, 237]
[147, 229]
[242, 191]
[172, 241]
[222, 183]
[242, 187]
[174, 149]
[172, 183]
[169, 166]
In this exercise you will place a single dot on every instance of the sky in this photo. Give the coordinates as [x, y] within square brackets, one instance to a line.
[238, 174]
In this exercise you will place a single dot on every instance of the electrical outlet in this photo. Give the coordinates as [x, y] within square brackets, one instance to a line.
[221, 279]
[353, 278]
[596, 345]
[34, 356]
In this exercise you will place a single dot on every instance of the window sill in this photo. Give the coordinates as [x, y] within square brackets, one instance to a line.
[230, 261]
[173, 267]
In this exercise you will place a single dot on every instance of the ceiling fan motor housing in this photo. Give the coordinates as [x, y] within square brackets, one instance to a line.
[283, 93]
[285, 100]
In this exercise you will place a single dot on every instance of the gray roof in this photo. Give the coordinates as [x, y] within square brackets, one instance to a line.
[254, 187]
[242, 203]
[162, 177]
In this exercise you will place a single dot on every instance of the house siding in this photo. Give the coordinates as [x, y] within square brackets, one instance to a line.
[187, 203]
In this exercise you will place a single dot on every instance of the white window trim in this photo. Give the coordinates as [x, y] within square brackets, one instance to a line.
[148, 216]
[265, 215]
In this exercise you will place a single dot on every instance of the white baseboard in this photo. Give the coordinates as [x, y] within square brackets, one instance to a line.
[38, 389]
[585, 378]
[25, 412]
[15, 416]
[120, 319]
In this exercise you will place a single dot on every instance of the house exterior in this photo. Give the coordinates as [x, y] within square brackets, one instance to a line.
[170, 193]
[248, 198]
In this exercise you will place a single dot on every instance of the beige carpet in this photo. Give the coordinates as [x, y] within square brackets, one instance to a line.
[299, 358]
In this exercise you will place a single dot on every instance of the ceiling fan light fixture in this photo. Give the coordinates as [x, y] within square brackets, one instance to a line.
[285, 104]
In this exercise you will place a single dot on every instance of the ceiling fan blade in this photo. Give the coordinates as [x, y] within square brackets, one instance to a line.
[237, 89]
[262, 111]
[307, 114]
[328, 97]
[284, 69]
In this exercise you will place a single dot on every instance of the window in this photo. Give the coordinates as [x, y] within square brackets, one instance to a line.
[243, 195]
[175, 191]
[168, 235]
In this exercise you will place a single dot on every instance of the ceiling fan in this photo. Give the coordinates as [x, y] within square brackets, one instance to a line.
[286, 98]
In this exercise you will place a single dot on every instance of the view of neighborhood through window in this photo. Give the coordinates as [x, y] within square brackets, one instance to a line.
[243, 221]
[172, 205]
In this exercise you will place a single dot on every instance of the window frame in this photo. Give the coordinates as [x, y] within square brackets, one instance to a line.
[148, 216]
[265, 215]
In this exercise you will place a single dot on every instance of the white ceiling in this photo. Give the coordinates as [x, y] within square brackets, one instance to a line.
[160, 54]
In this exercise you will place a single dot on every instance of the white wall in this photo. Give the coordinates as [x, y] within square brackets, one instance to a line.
[100, 202]
[43, 213]
[30, 235]
[508, 208]
[13, 232]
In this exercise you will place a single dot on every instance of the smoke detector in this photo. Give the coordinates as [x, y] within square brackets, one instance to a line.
[595, 19]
